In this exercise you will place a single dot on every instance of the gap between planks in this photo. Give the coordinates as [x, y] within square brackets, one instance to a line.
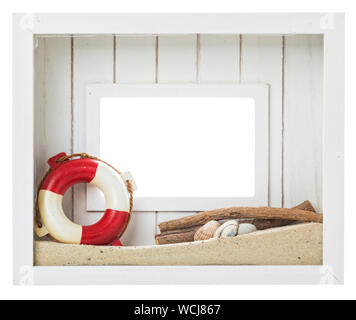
[240, 60]
[114, 60]
[197, 62]
[156, 70]
[283, 80]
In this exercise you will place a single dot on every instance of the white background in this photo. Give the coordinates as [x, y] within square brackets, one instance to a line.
[177, 292]
[177, 144]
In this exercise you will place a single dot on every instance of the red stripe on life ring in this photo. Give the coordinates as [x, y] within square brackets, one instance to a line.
[106, 229]
[69, 173]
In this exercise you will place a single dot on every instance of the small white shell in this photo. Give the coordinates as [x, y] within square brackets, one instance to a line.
[227, 229]
[245, 228]
[207, 231]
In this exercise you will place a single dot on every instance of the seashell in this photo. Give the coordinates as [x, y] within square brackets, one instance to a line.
[227, 229]
[245, 228]
[206, 231]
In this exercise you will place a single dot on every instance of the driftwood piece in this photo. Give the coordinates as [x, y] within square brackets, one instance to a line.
[293, 214]
[184, 233]
[262, 224]
[187, 234]
[305, 205]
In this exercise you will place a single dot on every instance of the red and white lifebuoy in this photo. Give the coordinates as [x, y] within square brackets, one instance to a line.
[84, 170]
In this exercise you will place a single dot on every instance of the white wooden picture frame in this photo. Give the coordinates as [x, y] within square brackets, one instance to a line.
[258, 92]
[330, 26]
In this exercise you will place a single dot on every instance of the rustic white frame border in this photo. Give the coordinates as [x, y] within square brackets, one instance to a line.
[331, 25]
[259, 92]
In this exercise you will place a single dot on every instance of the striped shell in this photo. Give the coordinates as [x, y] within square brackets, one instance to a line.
[206, 231]
[227, 229]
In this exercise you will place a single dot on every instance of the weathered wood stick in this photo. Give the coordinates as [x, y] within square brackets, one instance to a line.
[187, 234]
[305, 205]
[260, 224]
[293, 214]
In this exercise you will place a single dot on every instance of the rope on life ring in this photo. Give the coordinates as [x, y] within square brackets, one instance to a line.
[56, 161]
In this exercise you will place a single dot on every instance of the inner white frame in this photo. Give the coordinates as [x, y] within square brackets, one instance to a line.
[330, 25]
[259, 92]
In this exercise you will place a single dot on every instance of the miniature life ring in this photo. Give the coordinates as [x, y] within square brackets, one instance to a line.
[84, 170]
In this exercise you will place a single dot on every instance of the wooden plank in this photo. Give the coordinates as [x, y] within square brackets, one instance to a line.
[135, 62]
[52, 122]
[177, 62]
[261, 62]
[92, 63]
[218, 61]
[226, 58]
[167, 216]
[177, 58]
[303, 91]
[135, 59]
[219, 58]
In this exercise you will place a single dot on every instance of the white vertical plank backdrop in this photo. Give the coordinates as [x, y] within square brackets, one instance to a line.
[92, 62]
[135, 59]
[52, 105]
[135, 62]
[292, 67]
[303, 83]
[219, 58]
[261, 62]
[176, 63]
[216, 61]
[177, 58]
